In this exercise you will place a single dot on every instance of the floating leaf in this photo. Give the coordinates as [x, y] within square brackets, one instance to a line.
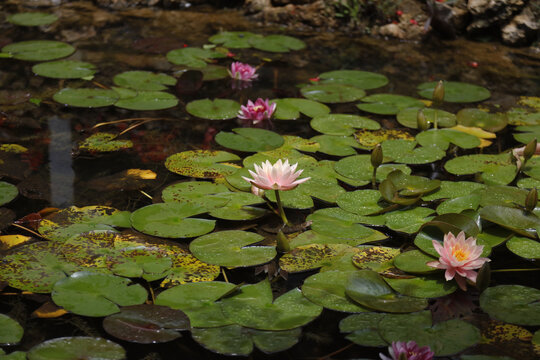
[38, 50]
[422, 287]
[74, 348]
[455, 91]
[527, 134]
[290, 108]
[408, 117]
[88, 98]
[32, 18]
[338, 223]
[8, 192]
[524, 247]
[342, 124]
[312, 237]
[147, 100]
[520, 116]
[238, 207]
[388, 104]
[313, 256]
[10, 330]
[233, 39]
[89, 294]
[362, 202]
[495, 169]
[276, 43]
[452, 190]
[202, 163]
[363, 328]
[217, 109]
[332, 93]
[414, 261]
[104, 142]
[514, 304]
[336, 145]
[193, 57]
[478, 118]
[359, 167]
[517, 220]
[368, 139]
[442, 138]
[249, 139]
[199, 193]
[143, 80]
[377, 258]
[406, 152]
[360, 79]
[64, 69]
[408, 221]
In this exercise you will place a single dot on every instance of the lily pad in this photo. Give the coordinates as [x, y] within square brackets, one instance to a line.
[32, 18]
[363, 328]
[514, 304]
[336, 145]
[290, 108]
[312, 237]
[249, 139]
[214, 72]
[276, 43]
[74, 348]
[90, 294]
[338, 223]
[454, 91]
[148, 100]
[406, 152]
[369, 139]
[359, 79]
[64, 69]
[217, 109]
[453, 189]
[332, 93]
[495, 169]
[442, 138]
[11, 332]
[144, 80]
[104, 142]
[8, 192]
[359, 167]
[342, 124]
[238, 207]
[377, 258]
[422, 286]
[233, 39]
[414, 261]
[87, 98]
[408, 117]
[171, 220]
[202, 163]
[516, 220]
[524, 247]
[38, 50]
[526, 134]
[193, 57]
[388, 104]
[199, 193]
[408, 221]
[313, 256]
[478, 118]
[362, 202]
[146, 324]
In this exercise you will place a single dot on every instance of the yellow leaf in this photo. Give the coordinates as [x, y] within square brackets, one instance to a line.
[13, 148]
[475, 131]
[49, 311]
[142, 174]
[9, 241]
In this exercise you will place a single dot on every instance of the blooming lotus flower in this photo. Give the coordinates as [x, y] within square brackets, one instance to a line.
[257, 111]
[280, 176]
[459, 257]
[411, 350]
[243, 72]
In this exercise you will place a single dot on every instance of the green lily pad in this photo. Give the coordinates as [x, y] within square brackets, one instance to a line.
[453, 190]
[406, 152]
[237, 340]
[409, 185]
[87, 98]
[422, 287]
[199, 193]
[104, 142]
[359, 167]
[414, 261]
[290, 108]
[64, 69]
[249, 139]
[74, 348]
[148, 100]
[338, 223]
[336, 145]
[524, 247]
[193, 57]
[445, 338]
[171, 220]
[521, 116]
[253, 307]
[230, 248]
[15, 355]
[276, 43]
[359, 79]
[328, 290]
[369, 139]
[217, 109]
[313, 256]
[495, 169]
[332, 93]
[214, 72]
[342, 124]
[198, 301]
[442, 138]
[408, 117]
[472, 117]
[514, 304]
[363, 328]
[148, 263]
[90, 294]
[388, 104]
[202, 163]
[377, 258]
[368, 288]
[454, 91]
[527, 133]
[502, 195]
[362, 202]
[32, 18]
[10, 330]
[312, 237]
[146, 324]
[233, 39]
[144, 80]
[38, 50]
[238, 207]
[408, 221]
[517, 220]
[8, 192]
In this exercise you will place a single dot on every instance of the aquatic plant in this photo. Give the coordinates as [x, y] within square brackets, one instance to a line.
[258, 111]
[242, 72]
[408, 351]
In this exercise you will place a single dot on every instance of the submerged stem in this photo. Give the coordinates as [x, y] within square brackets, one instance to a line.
[280, 208]
[514, 270]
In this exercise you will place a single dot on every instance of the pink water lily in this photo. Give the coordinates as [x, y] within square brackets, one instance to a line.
[280, 176]
[257, 111]
[411, 351]
[459, 257]
[242, 72]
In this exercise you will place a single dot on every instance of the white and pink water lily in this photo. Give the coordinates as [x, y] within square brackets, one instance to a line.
[257, 111]
[280, 176]
[408, 350]
[242, 72]
[459, 257]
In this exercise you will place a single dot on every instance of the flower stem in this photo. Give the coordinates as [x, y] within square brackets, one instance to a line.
[436, 119]
[280, 208]
[514, 270]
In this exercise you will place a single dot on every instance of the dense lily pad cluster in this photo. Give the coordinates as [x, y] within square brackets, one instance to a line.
[162, 268]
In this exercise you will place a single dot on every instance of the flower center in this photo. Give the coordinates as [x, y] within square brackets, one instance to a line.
[258, 108]
[460, 254]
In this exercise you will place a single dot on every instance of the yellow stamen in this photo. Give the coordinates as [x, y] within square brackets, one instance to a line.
[460, 254]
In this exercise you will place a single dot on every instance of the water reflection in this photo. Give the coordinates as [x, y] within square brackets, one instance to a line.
[60, 170]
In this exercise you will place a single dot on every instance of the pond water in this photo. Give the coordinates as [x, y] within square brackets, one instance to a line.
[57, 171]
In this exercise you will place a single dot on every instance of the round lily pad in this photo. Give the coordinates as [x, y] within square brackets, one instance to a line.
[414, 261]
[91, 294]
[369, 139]
[104, 142]
[88, 98]
[249, 139]
[64, 69]
[517, 220]
[514, 304]
[524, 247]
[230, 248]
[290, 108]
[332, 93]
[388, 104]
[193, 57]
[342, 124]
[364, 328]
[32, 18]
[362, 202]
[146, 324]
[454, 91]
[74, 348]
[478, 118]
[144, 80]
[171, 220]
[442, 138]
[217, 109]
[8, 192]
[496, 169]
[238, 207]
[377, 258]
[408, 117]
[213, 72]
[422, 287]
[276, 43]
[233, 39]
[359, 79]
[359, 167]
[202, 163]
[312, 256]
[200, 193]
[406, 152]
[336, 145]
[148, 100]
[338, 223]
[10, 330]
[38, 50]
